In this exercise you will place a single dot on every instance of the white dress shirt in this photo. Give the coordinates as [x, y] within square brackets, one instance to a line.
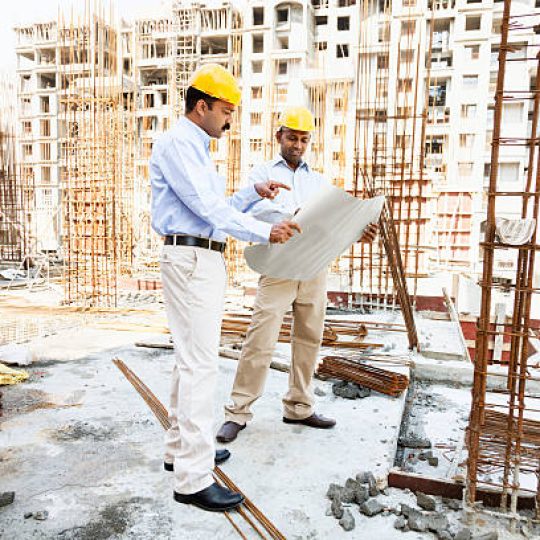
[303, 181]
[188, 196]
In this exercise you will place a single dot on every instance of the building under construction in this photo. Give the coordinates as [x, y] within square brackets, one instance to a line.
[401, 92]
[430, 352]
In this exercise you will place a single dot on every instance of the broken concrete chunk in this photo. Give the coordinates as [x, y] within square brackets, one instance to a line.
[42, 515]
[333, 490]
[345, 390]
[352, 483]
[362, 477]
[437, 522]
[7, 497]
[433, 461]
[347, 521]
[406, 510]
[493, 535]
[444, 535]
[319, 392]
[453, 504]
[400, 522]
[425, 501]
[361, 494]
[371, 508]
[363, 392]
[28, 515]
[348, 495]
[412, 441]
[463, 534]
[373, 490]
[417, 521]
[337, 508]
[368, 478]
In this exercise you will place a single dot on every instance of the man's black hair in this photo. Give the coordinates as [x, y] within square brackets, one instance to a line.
[193, 96]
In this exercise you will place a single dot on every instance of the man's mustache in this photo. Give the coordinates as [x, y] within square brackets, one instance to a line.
[226, 127]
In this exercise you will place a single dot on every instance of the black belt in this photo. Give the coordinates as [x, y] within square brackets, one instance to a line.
[194, 241]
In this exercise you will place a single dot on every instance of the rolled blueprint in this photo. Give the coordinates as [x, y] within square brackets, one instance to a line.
[331, 222]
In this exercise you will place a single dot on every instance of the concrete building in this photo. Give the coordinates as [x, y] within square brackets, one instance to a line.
[378, 77]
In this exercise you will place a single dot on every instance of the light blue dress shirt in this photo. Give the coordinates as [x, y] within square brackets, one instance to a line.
[188, 196]
[303, 181]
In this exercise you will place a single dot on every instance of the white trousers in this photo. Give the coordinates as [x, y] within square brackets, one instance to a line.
[193, 287]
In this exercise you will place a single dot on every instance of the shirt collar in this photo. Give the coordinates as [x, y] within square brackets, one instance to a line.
[279, 159]
[199, 133]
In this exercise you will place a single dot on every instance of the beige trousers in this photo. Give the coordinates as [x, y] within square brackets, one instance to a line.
[193, 287]
[274, 298]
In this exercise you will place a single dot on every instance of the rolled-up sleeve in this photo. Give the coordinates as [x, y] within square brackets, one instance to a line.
[183, 167]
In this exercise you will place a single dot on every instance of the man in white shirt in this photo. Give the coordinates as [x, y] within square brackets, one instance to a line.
[191, 212]
[276, 296]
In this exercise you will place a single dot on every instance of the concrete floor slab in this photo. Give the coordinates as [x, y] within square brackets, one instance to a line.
[82, 445]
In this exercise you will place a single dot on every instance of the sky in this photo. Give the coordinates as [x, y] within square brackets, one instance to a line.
[25, 11]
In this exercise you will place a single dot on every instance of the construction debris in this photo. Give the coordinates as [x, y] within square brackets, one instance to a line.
[11, 376]
[236, 325]
[7, 497]
[350, 390]
[380, 380]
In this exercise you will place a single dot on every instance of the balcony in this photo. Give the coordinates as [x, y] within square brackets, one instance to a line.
[439, 114]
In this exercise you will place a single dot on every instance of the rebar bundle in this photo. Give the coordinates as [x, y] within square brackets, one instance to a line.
[334, 329]
[248, 511]
[380, 380]
[508, 438]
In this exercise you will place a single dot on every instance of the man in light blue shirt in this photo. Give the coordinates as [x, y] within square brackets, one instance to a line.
[276, 296]
[191, 212]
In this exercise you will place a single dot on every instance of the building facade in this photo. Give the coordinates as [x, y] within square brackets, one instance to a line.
[401, 91]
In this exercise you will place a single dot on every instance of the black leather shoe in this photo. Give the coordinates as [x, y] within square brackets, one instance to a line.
[229, 431]
[221, 455]
[315, 420]
[213, 498]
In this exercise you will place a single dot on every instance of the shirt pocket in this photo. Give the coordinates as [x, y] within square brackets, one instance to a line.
[184, 259]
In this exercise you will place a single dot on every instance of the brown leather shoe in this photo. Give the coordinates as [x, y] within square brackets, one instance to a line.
[229, 431]
[315, 420]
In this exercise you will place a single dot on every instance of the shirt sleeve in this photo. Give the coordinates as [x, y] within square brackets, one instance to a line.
[244, 198]
[264, 209]
[185, 170]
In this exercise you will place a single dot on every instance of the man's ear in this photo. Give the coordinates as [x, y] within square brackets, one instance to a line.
[201, 107]
[279, 133]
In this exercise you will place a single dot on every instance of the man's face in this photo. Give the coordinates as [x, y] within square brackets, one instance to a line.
[293, 144]
[216, 120]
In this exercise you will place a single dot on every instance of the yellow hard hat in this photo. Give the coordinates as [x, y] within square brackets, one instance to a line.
[298, 118]
[216, 81]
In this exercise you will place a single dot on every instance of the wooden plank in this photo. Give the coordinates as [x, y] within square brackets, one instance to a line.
[451, 489]
[454, 317]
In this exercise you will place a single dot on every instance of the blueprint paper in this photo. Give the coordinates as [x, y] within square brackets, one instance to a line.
[331, 222]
